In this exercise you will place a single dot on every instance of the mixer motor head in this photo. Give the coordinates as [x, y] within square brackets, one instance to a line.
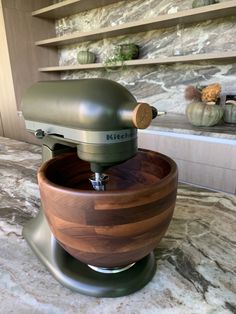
[99, 116]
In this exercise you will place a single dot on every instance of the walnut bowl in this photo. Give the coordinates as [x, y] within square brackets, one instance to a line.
[116, 227]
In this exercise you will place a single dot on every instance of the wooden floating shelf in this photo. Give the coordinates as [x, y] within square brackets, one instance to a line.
[225, 56]
[162, 21]
[70, 7]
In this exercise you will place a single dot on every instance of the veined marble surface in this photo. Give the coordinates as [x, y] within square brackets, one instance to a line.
[178, 123]
[160, 85]
[196, 269]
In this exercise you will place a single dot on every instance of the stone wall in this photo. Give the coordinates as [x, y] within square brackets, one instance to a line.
[160, 85]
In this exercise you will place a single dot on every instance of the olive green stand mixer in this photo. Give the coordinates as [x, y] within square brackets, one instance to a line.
[99, 119]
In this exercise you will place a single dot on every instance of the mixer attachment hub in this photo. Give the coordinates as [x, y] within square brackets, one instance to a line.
[99, 181]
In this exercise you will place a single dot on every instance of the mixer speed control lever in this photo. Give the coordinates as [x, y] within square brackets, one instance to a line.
[39, 133]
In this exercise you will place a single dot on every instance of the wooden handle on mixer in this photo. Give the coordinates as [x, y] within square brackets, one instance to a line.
[142, 116]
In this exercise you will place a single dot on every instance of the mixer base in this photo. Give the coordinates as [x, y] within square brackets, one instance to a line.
[78, 276]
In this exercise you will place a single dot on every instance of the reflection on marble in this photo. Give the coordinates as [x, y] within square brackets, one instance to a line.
[178, 123]
[195, 260]
[160, 85]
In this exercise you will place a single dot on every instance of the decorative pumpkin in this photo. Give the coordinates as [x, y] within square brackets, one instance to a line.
[121, 54]
[230, 112]
[201, 114]
[86, 57]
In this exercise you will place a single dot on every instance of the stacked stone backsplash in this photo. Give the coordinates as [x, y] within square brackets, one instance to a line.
[160, 85]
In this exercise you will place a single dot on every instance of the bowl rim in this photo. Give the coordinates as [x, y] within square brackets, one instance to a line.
[171, 175]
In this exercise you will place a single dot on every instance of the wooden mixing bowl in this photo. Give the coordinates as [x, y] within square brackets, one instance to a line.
[116, 227]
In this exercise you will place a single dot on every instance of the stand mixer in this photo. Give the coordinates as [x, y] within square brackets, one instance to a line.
[97, 120]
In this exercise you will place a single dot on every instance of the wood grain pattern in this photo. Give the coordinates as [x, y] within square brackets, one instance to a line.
[199, 162]
[195, 149]
[70, 7]
[1, 127]
[27, 5]
[7, 95]
[217, 178]
[20, 59]
[162, 21]
[21, 29]
[115, 227]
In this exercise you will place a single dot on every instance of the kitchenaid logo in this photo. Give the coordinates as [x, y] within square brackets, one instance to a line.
[119, 136]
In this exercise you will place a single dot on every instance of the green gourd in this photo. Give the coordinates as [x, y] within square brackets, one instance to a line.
[201, 114]
[86, 57]
[201, 3]
[230, 113]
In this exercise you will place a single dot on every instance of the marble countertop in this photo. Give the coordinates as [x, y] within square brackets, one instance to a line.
[196, 266]
[178, 123]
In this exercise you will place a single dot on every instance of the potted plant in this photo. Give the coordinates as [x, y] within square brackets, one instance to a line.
[121, 54]
[129, 51]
